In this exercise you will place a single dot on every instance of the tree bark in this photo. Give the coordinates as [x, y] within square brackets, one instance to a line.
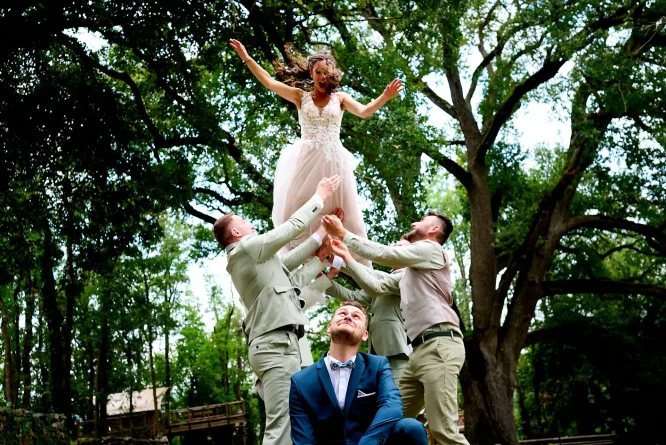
[6, 339]
[102, 383]
[149, 327]
[488, 397]
[30, 295]
[73, 290]
[16, 371]
[53, 321]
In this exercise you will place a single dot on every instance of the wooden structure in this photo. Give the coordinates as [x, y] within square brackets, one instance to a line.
[207, 417]
[149, 423]
[597, 439]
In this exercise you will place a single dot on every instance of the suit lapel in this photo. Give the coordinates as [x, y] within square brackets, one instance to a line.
[354, 379]
[325, 380]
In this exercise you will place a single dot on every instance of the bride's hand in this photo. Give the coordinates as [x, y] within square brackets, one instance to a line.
[393, 89]
[339, 213]
[240, 49]
[327, 186]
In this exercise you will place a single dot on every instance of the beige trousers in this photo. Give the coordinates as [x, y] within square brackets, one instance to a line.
[275, 357]
[397, 365]
[431, 380]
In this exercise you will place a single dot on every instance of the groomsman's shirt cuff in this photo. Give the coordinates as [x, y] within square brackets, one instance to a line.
[338, 263]
[315, 236]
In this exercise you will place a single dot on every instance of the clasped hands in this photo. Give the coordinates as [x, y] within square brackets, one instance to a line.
[332, 232]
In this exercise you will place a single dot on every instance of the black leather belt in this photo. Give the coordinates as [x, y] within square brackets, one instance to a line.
[297, 329]
[425, 337]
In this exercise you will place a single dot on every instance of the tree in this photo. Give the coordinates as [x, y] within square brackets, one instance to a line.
[205, 137]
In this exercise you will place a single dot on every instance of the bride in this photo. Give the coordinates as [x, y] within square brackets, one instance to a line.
[312, 85]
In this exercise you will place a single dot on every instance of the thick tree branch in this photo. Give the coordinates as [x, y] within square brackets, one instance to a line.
[654, 237]
[439, 101]
[75, 46]
[194, 212]
[557, 287]
[548, 70]
[451, 166]
[241, 197]
[487, 57]
[484, 63]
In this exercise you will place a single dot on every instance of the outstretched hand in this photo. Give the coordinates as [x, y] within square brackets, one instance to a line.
[327, 186]
[340, 249]
[339, 213]
[334, 226]
[332, 273]
[240, 49]
[324, 250]
[393, 89]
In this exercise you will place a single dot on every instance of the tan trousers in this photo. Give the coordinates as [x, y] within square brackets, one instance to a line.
[275, 357]
[431, 379]
[397, 365]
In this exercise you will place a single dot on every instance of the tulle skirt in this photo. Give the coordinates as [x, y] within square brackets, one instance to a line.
[300, 168]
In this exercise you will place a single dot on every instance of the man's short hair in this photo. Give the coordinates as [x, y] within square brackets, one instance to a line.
[220, 229]
[445, 226]
[356, 305]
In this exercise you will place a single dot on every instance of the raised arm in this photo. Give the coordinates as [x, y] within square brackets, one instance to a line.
[262, 247]
[303, 276]
[343, 294]
[363, 111]
[375, 283]
[420, 255]
[285, 91]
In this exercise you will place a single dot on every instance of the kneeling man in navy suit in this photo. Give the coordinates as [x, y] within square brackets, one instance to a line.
[348, 397]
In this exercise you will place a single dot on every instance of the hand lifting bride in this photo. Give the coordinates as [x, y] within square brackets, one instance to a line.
[312, 85]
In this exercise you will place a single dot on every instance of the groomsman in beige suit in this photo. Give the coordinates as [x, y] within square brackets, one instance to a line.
[431, 376]
[269, 290]
[381, 292]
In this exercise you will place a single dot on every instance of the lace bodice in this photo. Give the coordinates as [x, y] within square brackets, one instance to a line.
[320, 124]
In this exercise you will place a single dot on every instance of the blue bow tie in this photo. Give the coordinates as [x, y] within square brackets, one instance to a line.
[337, 365]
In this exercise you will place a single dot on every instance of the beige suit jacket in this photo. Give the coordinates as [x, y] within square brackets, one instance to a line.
[268, 287]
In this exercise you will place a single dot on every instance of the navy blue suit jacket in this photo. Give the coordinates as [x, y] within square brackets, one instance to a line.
[316, 417]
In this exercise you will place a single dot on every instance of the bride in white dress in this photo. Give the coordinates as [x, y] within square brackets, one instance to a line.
[319, 153]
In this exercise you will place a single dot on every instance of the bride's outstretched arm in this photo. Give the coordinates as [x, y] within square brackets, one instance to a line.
[363, 111]
[285, 91]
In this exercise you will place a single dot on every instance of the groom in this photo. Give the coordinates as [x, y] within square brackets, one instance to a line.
[270, 293]
[349, 397]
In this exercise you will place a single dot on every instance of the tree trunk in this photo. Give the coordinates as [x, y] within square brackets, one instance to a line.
[149, 326]
[53, 322]
[167, 364]
[16, 372]
[30, 295]
[73, 290]
[101, 386]
[43, 369]
[488, 397]
[9, 395]
[225, 353]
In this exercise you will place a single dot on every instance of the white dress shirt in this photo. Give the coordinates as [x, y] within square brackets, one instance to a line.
[339, 379]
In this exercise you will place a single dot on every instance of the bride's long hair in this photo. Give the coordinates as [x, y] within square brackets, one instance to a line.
[298, 73]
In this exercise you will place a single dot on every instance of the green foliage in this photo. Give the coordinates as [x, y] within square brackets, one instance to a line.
[599, 359]
[16, 428]
[155, 113]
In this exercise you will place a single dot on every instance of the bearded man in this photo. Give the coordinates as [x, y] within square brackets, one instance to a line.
[431, 376]
[349, 397]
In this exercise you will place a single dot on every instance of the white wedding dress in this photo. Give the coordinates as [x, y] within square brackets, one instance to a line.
[318, 154]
